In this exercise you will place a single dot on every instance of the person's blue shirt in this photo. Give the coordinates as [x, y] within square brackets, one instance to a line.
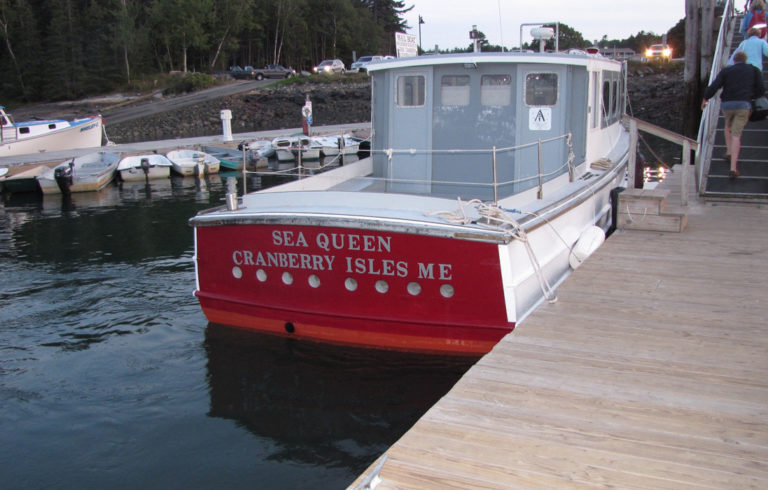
[755, 48]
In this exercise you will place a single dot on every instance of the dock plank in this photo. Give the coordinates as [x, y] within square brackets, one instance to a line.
[649, 371]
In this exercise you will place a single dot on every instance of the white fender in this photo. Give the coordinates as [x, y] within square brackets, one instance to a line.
[588, 242]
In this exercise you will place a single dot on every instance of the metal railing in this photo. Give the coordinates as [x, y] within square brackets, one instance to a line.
[711, 113]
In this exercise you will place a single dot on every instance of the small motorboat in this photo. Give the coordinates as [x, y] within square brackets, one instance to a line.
[258, 149]
[21, 138]
[193, 162]
[229, 158]
[287, 148]
[91, 172]
[144, 167]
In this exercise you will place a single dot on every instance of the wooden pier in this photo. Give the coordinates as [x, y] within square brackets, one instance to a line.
[650, 371]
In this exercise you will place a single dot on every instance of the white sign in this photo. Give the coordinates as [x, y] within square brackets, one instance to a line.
[406, 45]
[540, 118]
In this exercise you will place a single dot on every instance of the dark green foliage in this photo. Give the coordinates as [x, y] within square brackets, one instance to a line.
[64, 49]
[191, 82]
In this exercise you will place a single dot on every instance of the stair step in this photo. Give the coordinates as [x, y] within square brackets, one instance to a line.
[670, 221]
[643, 201]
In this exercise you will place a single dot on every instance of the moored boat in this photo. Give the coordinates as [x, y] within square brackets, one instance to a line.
[229, 158]
[381, 252]
[21, 138]
[91, 172]
[193, 162]
[144, 167]
[288, 148]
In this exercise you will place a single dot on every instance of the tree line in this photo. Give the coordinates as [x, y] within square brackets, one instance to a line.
[66, 49]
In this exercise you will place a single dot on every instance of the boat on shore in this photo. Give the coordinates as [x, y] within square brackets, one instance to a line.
[21, 138]
[193, 162]
[487, 172]
[152, 166]
[91, 172]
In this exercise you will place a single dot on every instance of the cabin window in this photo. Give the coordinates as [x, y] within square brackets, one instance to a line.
[615, 100]
[606, 106]
[541, 89]
[595, 121]
[454, 90]
[496, 90]
[24, 130]
[52, 126]
[410, 91]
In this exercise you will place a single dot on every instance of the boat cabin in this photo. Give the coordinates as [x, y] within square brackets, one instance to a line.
[491, 125]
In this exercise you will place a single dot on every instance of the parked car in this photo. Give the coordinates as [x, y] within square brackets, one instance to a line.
[659, 51]
[239, 72]
[273, 71]
[330, 66]
[362, 62]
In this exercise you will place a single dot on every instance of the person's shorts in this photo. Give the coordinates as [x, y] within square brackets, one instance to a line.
[736, 120]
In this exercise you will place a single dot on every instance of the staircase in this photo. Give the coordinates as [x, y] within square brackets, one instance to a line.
[752, 184]
[647, 209]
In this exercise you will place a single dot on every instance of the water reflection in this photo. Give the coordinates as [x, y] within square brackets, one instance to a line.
[109, 371]
[322, 404]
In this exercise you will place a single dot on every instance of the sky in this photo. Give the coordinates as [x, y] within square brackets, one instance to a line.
[447, 22]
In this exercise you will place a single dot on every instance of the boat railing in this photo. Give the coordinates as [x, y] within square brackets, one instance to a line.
[518, 157]
[504, 170]
[711, 113]
[8, 134]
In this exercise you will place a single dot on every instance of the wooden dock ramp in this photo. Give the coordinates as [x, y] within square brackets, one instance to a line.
[650, 371]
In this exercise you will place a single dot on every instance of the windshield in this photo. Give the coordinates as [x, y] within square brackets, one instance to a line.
[364, 59]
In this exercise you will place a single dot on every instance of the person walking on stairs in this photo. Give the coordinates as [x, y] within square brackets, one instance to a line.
[741, 82]
[755, 47]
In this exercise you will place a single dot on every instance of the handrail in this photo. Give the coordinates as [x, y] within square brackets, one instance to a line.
[540, 176]
[711, 113]
[688, 144]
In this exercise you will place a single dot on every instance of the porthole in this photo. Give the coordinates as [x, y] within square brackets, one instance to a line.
[287, 278]
[314, 281]
[237, 273]
[261, 275]
[382, 286]
[414, 288]
[350, 284]
[447, 291]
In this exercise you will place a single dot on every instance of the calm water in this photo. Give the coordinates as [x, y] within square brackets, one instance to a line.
[111, 377]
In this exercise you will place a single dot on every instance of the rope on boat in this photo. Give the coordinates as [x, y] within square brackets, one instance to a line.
[495, 214]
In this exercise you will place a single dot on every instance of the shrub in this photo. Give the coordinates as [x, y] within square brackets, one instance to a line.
[191, 82]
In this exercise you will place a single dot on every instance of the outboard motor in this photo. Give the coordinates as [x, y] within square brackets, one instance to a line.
[364, 150]
[145, 166]
[63, 177]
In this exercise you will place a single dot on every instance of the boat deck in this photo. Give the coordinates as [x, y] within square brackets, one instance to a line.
[650, 371]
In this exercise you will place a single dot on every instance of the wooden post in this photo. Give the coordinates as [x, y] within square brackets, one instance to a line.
[686, 163]
[707, 40]
[632, 153]
[691, 89]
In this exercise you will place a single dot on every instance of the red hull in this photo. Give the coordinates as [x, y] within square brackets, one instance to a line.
[368, 288]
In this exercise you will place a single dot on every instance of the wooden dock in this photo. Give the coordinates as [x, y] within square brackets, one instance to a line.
[650, 371]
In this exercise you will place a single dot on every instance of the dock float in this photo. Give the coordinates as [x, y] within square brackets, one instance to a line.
[650, 371]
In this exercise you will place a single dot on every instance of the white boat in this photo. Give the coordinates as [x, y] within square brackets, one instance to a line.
[144, 167]
[488, 171]
[287, 148]
[21, 138]
[193, 162]
[329, 145]
[86, 173]
[258, 149]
